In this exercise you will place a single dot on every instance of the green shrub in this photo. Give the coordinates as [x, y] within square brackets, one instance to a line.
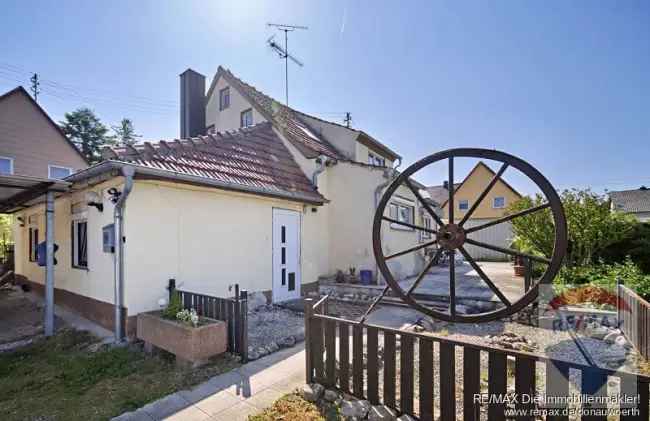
[175, 305]
[636, 245]
[606, 276]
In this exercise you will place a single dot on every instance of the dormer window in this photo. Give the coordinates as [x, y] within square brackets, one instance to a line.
[246, 118]
[224, 98]
[376, 160]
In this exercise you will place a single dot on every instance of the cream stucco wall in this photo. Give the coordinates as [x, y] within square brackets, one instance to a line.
[343, 139]
[472, 187]
[206, 239]
[95, 282]
[362, 152]
[228, 119]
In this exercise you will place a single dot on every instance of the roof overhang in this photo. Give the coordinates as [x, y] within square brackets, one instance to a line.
[18, 191]
[372, 143]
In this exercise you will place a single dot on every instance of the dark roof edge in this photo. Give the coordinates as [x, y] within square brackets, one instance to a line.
[147, 172]
[22, 90]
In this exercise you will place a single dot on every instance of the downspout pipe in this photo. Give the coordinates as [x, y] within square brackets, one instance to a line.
[378, 193]
[118, 272]
[322, 164]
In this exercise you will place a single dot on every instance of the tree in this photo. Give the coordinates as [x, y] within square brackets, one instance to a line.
[591, 226]
[125, 133]
[87, 132]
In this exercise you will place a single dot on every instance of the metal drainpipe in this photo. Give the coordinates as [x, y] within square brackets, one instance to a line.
[378, 193]
[118, 272]
[322, 164]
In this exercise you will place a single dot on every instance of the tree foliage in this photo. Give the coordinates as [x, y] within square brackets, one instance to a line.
[591, 226]
[87, 132]
[125, 133]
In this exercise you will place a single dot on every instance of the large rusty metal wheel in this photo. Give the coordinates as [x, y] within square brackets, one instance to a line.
[451, 237]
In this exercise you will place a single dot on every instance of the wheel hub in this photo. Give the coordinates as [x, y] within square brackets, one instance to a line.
[451, 236]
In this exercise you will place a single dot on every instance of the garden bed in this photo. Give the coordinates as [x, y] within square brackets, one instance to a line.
[71, 376]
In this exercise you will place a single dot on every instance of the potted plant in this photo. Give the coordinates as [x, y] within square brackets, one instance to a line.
[193, 339]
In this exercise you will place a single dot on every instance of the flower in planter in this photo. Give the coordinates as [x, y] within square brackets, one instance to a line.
[188, 316]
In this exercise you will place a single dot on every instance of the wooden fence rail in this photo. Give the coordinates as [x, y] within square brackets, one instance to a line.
[233, 311]
[397, 368]
[634, 319]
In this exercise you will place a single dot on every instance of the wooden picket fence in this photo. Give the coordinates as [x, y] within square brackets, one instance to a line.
[400, 372]
[634, 319]
[233, 311]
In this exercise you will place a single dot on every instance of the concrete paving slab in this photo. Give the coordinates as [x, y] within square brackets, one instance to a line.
[218, 402]
[165, 407]
[265, 398]
[228, 382]
[239, 412]
[191, 413]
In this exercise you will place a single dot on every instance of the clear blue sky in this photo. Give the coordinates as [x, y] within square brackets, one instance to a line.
[563, 84]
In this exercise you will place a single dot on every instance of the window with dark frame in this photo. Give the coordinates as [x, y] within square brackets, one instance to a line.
[224, 98]
[33, 244]
[463, 205]
[79, 233]
[246, 118]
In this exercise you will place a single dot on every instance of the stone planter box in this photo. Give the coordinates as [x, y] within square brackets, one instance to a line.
[191, 345]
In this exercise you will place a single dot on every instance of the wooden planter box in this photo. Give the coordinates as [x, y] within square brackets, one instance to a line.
[191, 345]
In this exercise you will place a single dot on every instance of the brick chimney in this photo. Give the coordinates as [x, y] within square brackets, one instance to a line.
[192, 104]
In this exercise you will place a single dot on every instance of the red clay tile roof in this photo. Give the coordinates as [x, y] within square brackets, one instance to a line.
[307, 140]
[251, 159]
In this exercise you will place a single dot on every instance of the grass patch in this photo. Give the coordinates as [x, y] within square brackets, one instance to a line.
[293, 407]
[60, 379]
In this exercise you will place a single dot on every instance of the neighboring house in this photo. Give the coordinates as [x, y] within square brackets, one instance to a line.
[493, 206]
[272, 206]
[31, 144]
[634, 202]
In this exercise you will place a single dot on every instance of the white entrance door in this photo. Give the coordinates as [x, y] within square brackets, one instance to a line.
[286, 255]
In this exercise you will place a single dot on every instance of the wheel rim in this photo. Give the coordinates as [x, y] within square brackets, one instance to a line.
[452, 236]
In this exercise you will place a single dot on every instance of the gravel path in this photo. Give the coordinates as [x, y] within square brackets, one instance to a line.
[272, 324]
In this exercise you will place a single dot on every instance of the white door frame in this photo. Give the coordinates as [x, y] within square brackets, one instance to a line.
[291, 269]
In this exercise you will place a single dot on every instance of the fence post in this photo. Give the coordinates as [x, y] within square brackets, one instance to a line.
[243, 314]
[309, 310]
[236, 313]
[171, 287]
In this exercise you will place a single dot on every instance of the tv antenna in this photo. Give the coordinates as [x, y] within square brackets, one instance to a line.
[284, 52]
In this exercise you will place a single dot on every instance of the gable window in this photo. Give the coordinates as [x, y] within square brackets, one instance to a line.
[224, 98]
[499, 202]
[79, 233]
[376, 160]
[33, 244]
[428, 224]
[6, 165]
[401, 213]
[246, 118]
[463, 205]
[57, 172]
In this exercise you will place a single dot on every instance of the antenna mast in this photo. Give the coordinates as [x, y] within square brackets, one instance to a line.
[284, 52]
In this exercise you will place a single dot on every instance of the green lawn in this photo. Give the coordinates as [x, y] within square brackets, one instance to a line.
[61, 379]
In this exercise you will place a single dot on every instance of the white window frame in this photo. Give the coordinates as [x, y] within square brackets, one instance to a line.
[61, 167]
[460, 202]
[241, 117]
[376, 160]
[400, 206]
[11, 164]
[76, 219]
[222, 103]
[427, 222]
[494, 200]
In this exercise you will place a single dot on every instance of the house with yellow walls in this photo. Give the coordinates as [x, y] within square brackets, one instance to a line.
[493, 206]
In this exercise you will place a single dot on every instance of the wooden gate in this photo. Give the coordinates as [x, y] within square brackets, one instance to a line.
[233, 311]
[634, 319]
[347, 355]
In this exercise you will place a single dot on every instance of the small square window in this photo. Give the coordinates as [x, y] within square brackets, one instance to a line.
[246, 119]
[463, 205]
[58, 173]
[376, 160]
[401, 213]
[499, 202]
[224, 98]
[6, 165]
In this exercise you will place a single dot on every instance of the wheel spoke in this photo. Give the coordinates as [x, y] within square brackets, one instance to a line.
[412, 249]
[507, 251]
[508, 218]
[450, 202]
[424, 203]
[424, 272]
[483, 276]
[452, 282]
[406, 224]
[374, 304]
[484, 193]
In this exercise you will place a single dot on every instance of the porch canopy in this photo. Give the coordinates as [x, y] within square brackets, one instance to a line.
[19, 192]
